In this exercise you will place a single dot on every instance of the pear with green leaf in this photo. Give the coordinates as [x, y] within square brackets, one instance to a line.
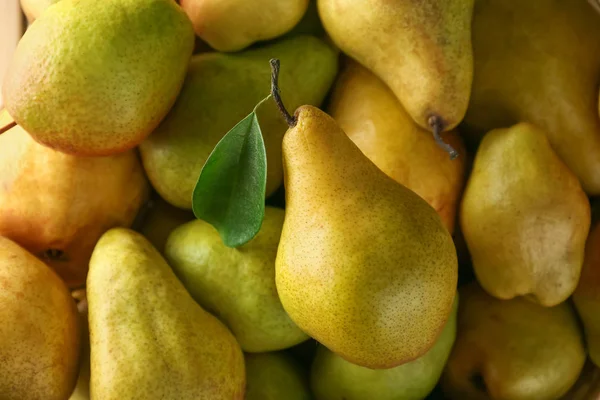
[236, 284]
[219, 91]
[365, 266]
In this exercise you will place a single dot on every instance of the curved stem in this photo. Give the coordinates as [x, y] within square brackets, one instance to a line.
[7, 127]
[437, 127]
[275, 92]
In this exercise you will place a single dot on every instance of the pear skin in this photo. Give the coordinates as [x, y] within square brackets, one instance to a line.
[512, 349]
[370, 114]
[149, 339]
[232, 25]
[365, 266]
[525, 217]
[509, 47]
[421, 50]
[236, 284]
[34, 8]
[40, 331]
[174, 154]
[587, 295]
[333, 378]
[57, 206]
[275, 376]
[95, 78]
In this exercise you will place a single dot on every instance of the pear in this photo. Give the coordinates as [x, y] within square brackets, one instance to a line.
[372, 117]
[587, 386]
[40, 332]
[161, 220]
[219, 91]
[421, 50]
[232, 25]
[34, 8]
[82, 388]
[333, 378]
[365, 266]
[236, 284]
[512, 349]
[275, 376]
[587, 294]
[149, 339]
[524, 217]
[95, 78]
[57, 205]
[510, 46]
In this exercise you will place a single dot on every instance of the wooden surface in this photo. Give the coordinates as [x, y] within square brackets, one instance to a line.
[11, 28]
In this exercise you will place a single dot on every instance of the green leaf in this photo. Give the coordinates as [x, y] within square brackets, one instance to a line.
[230, 192]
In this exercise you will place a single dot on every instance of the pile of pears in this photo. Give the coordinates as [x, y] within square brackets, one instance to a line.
[430, 227]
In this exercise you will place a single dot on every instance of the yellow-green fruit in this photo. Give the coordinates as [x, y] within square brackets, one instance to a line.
[149, 339]
[232, 25]
[377, 123]
[587, 295]
[275, 376]
[95, 78]
[421, 50]
[365, 266]
[333, 378]
[525, 217]
[509, 46]
[34, 8]
[236, 284]
[512, 349]
[219, 91]
[40, 331]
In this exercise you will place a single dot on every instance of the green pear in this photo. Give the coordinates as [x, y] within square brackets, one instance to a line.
[236, 284]
[365, 266]
[34, 8]
[524, 217]
[512, 39]
[94, 77]
[512, 349]
[149, 339]
[275, 376]
[333, 378]
[587, 294]
[40, 330]
[219, 91]
[161, 220]
[421, 50]
[232, 25]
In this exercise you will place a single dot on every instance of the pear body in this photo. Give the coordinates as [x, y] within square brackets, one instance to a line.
[40, 332]
[373, 118]
[587, 294]
[525, 217]
[236, 284]
[275, 376]
[50, 202]
[421, 50]
[219, 91]
[161, 220]
[34, 8]
[333, 378]
[95, 78]
[232, 25]
[509, 46]
[364, 265]
[512, 349]
[149, 339]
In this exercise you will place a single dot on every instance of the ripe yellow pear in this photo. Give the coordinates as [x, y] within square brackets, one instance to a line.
[365, 266]
[57, 205]
[510, 46]
[149, 339]
[421, 50]
[525, 217]
[374, 119]
[40, 330]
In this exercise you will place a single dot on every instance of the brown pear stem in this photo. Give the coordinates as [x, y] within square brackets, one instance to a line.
[275, 92]
[437, 127]
[7, 127]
